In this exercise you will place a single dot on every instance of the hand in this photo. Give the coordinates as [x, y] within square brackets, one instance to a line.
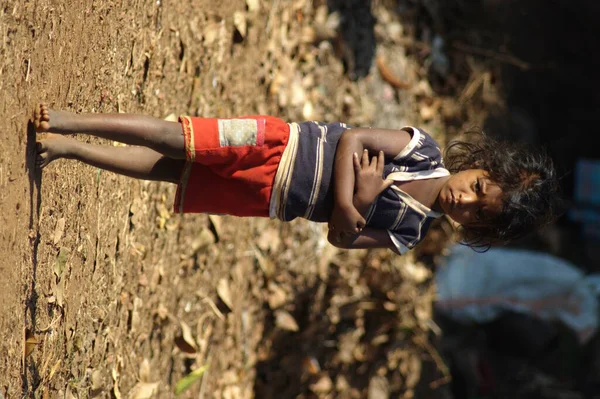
[346, 220]
[369, 182]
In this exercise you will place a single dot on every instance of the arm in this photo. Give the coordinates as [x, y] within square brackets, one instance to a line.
[345, 216]
[369, 184]
[368, 180]
[367, 238]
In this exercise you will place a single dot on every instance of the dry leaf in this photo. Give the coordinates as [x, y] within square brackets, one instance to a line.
[428, 112]
[163, 215]
[224, 292]
[311, 365]
[324, 385]
[416, 272]
[54, 369]
[59, 292]
[116, 374]
[211, 33]
[277, 296]
[239, 21]
[285, 321]
[414, 371]
[61, 261]
[144, 390]
[216, 223]
[378, 388]
[229, 377]
[59, 230]
[162, 311]
[156, 278]
[135, 313]
[269, 240]
[69, 394]
[143, 280]
[96, 379]
[203, 240]
[232, 392]
[308, 110]
[97, 383]
[171, 118]
[186, 342]
[145, 370]
[253, 5]
[266, 265]
[29, 344]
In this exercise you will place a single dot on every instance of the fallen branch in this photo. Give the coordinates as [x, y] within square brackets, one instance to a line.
[389, 76]
[502, 57]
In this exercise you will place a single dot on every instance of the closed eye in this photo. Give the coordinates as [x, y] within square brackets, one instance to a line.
[477, 186]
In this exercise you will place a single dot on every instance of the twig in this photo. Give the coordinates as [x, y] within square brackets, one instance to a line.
[439, 382]
[51, 325]
[473, 86]
[388, 75]
[436, 358]
[409, 42]
[202, 386]
[214, 308]
[28, 69]
[506, 58]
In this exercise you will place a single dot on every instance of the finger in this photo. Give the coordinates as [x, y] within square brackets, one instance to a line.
[359, 227]
[380, 162]
[373, 164]
[361, 223]
[387, 183]
[365, 159]
[356, 162]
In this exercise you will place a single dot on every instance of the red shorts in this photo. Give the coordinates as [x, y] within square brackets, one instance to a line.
[231, 164]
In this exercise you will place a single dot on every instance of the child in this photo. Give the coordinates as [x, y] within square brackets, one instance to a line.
[375, 187]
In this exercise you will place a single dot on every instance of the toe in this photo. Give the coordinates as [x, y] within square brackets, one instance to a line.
[41, 146]
[43, 125]
[35, 114]
[41, 160]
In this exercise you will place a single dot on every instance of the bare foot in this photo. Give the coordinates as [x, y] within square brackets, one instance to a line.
[52, 146]
[46, 120]
[41, 118]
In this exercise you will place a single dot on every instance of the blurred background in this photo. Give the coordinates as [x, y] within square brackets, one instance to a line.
[106, 292]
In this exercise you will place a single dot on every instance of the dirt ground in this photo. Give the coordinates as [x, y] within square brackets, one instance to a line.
[105, 292]
[113, 295]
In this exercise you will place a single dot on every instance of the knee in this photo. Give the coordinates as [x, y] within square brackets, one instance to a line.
[172, 139]
[169, 169]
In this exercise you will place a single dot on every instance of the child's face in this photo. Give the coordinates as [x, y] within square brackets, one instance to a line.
[469, 197]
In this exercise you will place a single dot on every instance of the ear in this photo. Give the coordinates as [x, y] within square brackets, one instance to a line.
[477, 164]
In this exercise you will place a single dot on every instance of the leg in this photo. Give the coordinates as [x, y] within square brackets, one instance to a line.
[138, 162]
[160, 135]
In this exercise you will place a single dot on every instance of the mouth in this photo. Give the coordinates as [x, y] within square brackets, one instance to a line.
[452, 200]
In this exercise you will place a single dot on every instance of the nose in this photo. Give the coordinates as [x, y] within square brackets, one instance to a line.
[467, 199]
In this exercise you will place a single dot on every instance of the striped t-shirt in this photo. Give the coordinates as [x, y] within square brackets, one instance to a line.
[304, 182]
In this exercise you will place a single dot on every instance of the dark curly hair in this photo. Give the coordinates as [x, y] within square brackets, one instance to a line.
[528, 181]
